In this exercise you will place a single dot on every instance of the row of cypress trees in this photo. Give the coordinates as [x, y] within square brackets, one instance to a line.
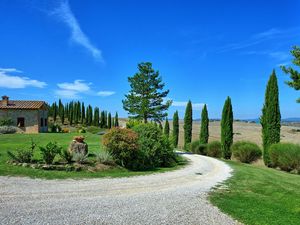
[270, 121]
[76, 113]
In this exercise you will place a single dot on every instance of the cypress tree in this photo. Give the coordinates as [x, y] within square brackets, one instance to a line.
[116, 120]
[105, 119]
[167, 128]
[71, 113]
[96, 117]
[87, 116]
[62, 114]
[188, 124]
[82, 113]
[54, 111]
[227, 129]
[90, 122]
[204, 133]
[102, 119]
[109, 121]
[75, 113]
[112, 122]
[175, 129]
[270, 119]
[160, 126]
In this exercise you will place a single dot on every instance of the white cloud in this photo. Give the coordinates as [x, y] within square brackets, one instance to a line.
[105, 93]
[72, 90]
[12, 81]
[278, 55]
[77, 85]
[196, 106]
[65, 14]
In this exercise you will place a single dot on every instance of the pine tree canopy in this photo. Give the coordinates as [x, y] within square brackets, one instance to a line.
[294, 74]
[145, 100]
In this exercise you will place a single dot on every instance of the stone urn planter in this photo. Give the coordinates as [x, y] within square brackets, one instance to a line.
[78, 145]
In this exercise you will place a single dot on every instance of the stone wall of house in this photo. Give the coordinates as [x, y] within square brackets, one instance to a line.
[32, 119]
[43, 114]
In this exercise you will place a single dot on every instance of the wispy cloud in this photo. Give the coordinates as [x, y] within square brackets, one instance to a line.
[196, 106]
[278, 55]
[7, 80]
[65, 15]
[105, 93]
[258, 38]
[72, 90]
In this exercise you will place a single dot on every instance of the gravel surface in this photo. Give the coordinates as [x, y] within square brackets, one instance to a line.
[177, 197]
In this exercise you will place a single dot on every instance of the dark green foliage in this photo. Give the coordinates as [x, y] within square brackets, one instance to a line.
[197, 147]
[246, 151]
[204, 133]
[66, 155]
[188, 123]
[109, 121]
[286, 156]
[294, 74]
[6, 121]
[23, 155]
[50, 151]
[54, 128]
[102, 119]
[96, 117]
[270, 119]
[89, 115]
[82, 113]
[214, 149]
[167, 128]
[54, 111]
[116, 120]
[175, 129]
[132, 123]
[122, 145]
[227, 129]
[160, 126]
[145, 99]
[154, 148]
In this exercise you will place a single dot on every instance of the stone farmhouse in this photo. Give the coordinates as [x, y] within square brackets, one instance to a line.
[30, 116]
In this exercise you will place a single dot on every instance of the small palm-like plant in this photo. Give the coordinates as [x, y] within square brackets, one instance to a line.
[80, 157]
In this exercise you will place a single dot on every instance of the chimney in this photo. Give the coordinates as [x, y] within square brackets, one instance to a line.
[5, 100]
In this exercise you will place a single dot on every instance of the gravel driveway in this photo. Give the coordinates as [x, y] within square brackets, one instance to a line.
[177, 197]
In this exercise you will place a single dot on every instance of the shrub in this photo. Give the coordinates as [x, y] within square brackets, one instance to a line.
[154, 148]
[105, 157]
[286, 156]
[81, 131]
[50, 151]
[65, 130]
[23, 155]
[132, 123]
[66, 155]
[6, 122]
[214, 149]
[8, 130]
[122, 145]
[54, 128]
[198, 148]
[245, 151]
[80, 158]
[93, 129]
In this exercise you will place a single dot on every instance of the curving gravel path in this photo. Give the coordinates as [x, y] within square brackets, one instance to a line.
[177, 197]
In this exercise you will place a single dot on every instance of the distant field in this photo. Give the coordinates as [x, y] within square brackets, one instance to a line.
[243, 131]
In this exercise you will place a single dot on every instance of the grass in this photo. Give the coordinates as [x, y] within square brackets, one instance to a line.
[13, 141]
[260, 196]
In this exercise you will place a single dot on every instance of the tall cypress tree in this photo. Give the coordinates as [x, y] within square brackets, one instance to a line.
[167, 128]
[82, 113]
[75, 113]
[62, 115]
[54, 111]
[227, 129]
[87, 116]
[204, 133]
[270, 119]
[109, 121]
[188, 124]
[102, 119]
[71, 113]
[175, 129]
[90, 122]
[96, 117]
[116, 120]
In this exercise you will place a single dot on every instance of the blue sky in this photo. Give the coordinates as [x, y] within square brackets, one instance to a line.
[204, 50]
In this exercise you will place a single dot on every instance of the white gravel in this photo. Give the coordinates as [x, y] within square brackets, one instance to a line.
[177, 197]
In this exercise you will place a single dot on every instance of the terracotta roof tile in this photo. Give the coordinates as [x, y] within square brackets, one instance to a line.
[16, 104]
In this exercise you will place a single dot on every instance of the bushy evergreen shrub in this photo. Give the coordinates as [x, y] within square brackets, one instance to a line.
[197, 147]
[23, 155]
[246, 151]
[66, 155]
[50, 151]
[286, 156]
[214, 149]
[122, 145]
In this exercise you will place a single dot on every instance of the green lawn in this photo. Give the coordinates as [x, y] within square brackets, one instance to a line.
[261, 196]
[13, 141]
